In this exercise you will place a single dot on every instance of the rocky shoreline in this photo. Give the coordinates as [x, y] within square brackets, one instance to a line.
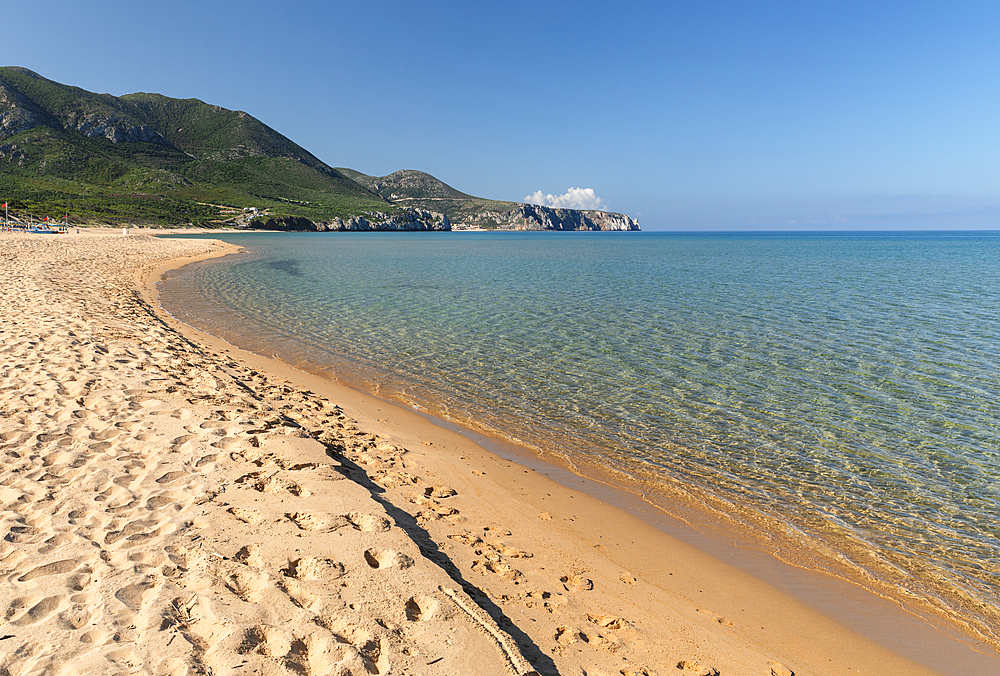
[524, 217]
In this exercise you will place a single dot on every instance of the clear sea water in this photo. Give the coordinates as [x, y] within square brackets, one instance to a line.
[836, 394]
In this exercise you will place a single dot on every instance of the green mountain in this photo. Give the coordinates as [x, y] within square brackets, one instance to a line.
[150, 158]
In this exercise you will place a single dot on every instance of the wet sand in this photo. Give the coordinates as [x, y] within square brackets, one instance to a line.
[174, 505]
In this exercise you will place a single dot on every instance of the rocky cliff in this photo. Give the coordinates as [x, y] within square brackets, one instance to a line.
[535, 217]
[404, 219]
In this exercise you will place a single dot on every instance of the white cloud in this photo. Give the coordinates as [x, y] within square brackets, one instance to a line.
[574, 198]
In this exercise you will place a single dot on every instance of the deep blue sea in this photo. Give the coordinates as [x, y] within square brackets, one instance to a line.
[837, 394]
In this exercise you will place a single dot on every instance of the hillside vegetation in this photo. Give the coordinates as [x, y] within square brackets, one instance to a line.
[150, 158]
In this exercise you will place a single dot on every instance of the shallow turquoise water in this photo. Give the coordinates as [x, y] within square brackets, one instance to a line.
[836, 392]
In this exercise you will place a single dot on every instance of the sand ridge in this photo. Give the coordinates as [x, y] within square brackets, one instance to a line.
[171, 508]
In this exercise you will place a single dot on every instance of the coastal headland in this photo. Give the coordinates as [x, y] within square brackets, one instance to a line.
[174, 505]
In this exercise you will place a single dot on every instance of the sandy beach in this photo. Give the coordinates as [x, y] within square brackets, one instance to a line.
[174, 505]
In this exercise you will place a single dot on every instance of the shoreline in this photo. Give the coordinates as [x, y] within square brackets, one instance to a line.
[937, 643]
[258, 516]
[798, 572]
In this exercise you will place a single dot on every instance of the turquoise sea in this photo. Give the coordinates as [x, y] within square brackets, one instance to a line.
[837, 395]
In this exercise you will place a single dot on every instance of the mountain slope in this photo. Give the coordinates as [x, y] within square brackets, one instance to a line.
[420, 190]
[406, 184]
[151, 157]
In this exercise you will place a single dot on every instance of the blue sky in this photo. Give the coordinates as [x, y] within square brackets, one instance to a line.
[687, 115]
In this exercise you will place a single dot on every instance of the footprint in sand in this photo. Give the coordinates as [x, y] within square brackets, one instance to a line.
[19, 605]
[314, 568]
[466, 538]
[608, 621]
[181, 440]
[39, 611]
[718, 618]
[387, 558]
[318, 654]
[265, 640]
[106, 434]
[566, 635]
[600, 641]
[697, 669]
[171, 477]
[263, 483]
[512, 553]
[779, 669]
[122, 505]
[198, 623]
[132, 595]
[576, 582]
[248, 516]
[81, 580]
[494, 564]
[367, 645]
[135, 532]
[300, 596]
[161, 501]
[317, 522]
[24, 534]
[229, 443]
[248, 584]
[54, 568]
[368, 523]
[249, 555]
[421, 608]
[439, 492]
[75, 617]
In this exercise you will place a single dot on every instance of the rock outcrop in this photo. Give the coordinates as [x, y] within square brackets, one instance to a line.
[284, 224]
[19, 113]
[536, 217]
[12, 153]
[113, 128]
[404, 219]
